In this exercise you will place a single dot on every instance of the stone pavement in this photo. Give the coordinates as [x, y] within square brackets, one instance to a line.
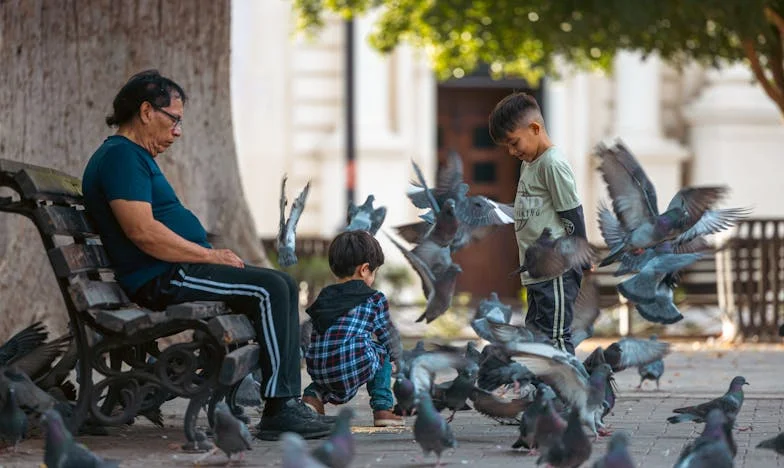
[694, 373]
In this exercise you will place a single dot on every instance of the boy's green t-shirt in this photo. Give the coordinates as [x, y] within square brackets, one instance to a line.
[546, 186]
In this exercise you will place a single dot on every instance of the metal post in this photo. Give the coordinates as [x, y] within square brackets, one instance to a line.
[349, 93]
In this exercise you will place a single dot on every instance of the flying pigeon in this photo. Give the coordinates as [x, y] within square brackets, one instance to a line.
[628, 352]
[364, 217]
[635, 205]
[548, 257]
[567, 376]
[287, 228]
[439, 285]
[490, 310]
[23, 342]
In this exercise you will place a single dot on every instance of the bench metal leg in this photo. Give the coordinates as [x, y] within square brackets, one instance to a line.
[197, 439]
[84, 378]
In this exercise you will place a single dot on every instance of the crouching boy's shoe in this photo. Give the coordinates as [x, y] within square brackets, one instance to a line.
[386, 418]
[293, 417]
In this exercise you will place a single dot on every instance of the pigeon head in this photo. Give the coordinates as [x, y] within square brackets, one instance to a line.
[56, 433]
[547, 233]
[545, 391]
[449, 207]
[494, 297]
[619, 441]
[738, 383]
[714, 424]
[453, 270]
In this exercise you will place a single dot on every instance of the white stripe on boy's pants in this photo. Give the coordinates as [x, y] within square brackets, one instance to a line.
[563, 312]
[264, 306]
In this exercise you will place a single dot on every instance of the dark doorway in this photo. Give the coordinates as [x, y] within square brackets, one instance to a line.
[463, 109]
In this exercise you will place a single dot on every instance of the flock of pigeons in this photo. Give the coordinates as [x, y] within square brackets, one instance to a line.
[517, 377]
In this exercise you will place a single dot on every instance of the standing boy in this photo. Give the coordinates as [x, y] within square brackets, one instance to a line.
[546, 198]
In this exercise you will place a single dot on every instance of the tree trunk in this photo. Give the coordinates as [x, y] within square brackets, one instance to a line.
[62, 64]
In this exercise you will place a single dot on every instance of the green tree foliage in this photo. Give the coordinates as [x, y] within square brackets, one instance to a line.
[525, 37]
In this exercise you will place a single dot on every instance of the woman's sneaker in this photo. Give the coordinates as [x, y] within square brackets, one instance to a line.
[293, 417]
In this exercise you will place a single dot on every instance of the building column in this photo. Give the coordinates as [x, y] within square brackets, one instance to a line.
[737, 138]
[638, 122]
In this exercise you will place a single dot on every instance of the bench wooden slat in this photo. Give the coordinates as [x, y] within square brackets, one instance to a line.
[238, 363]
[97, 295]
[64, 221]
[230, 329]
[128, 320]
[41, 183]
[196, 310]
[71, 259]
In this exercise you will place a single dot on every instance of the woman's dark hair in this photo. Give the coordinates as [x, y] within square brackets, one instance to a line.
[351, 249]
[148, 86]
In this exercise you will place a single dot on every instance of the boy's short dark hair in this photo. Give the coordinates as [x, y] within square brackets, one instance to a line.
[351, 249]
[510, 113]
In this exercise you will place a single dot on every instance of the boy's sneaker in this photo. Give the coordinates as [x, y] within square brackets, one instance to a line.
[294, 417]
[386, 418]
[313, 403]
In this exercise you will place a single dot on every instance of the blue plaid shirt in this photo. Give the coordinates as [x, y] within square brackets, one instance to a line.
[347, 356]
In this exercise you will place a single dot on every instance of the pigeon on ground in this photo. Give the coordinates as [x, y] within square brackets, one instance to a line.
[635, 205]
[775, 443]
[539, 416]
[439, 285]
[249, 392]
[453, 394]
[548, 257]
[295, 452]
[711, 449]
[231, 435]
[730, 403]
[651, 371]
[617, 453]
[572, 449]
[13, 421]
[403, 389]
[63, 452]
[339, 449]
[431, 431]
[490, 310]
[567, 376]
[287, 228]
[628, 352]
[364, 217]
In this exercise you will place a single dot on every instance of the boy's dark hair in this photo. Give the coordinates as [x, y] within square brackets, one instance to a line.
[510, 113]
[351, 249]
[148, 86]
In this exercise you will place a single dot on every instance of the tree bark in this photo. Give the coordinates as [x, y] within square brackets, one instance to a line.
[63, 62]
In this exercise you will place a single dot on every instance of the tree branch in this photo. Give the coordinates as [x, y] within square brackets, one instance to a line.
[775, 18]
[759, 73]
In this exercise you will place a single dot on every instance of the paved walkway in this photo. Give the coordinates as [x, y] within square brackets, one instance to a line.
[693, 374]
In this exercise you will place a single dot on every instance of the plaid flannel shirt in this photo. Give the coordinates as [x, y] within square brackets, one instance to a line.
[346, 356]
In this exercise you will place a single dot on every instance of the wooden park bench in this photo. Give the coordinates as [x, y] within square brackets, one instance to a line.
[115, 338]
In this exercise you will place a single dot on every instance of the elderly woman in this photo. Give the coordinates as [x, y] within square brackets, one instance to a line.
[161, 254]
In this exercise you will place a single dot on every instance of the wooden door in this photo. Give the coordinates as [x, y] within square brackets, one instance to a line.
[489, 171]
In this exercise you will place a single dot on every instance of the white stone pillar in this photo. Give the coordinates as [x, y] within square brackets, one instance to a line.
[260, 101]
[638, 122]
[738, 139]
